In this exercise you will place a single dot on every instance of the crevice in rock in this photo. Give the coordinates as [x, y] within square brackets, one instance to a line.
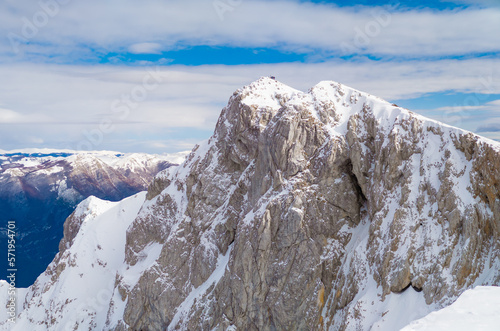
[338, 207]
[232, 238]
[348, 169]
[404, 288]
[415, 287]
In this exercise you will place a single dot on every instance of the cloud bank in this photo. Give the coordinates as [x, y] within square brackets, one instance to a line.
[181, 104]
[70, 28]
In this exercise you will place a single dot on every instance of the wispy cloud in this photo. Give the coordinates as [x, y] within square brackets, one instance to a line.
[145, 48]
[92, 27]
[8, 116]
[76, 99]
[484, 3]
[489, 128]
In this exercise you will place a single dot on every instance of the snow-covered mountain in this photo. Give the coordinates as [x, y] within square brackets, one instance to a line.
[40, 188]
[325, 210]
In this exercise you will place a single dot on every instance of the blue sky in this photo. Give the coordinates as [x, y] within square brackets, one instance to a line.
[73, 73]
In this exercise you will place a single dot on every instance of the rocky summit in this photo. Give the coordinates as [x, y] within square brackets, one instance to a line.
[325, 210]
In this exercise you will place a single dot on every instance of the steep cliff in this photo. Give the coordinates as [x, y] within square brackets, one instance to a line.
[330, 209]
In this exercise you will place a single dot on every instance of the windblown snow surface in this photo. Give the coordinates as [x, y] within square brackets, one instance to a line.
[476, 309]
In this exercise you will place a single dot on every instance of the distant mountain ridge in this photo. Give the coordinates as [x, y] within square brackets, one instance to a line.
[39, 188]
[329, 209]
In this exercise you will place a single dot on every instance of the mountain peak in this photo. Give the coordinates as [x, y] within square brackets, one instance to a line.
[305, 211]
[267, 93]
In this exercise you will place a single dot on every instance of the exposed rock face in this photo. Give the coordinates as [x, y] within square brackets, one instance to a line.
[39, 191]
[304, 211]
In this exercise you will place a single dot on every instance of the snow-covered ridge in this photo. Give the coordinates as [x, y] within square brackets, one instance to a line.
[65, 169]
[328, 209]
[32, 156]
[270, 93]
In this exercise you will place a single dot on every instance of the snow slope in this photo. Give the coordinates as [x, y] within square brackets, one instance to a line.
[87, 282]
[476, 309]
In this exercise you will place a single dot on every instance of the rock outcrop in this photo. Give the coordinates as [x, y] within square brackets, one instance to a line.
[304, 211]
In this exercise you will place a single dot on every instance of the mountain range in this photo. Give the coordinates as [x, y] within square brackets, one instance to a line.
[39, 189]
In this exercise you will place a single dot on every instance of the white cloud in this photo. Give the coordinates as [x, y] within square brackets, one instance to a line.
[288, 25]
[486, 3]
[74, 100]
[8, 116]
[36, 140]
[145, 48]
[494, 104]
[474, 103]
